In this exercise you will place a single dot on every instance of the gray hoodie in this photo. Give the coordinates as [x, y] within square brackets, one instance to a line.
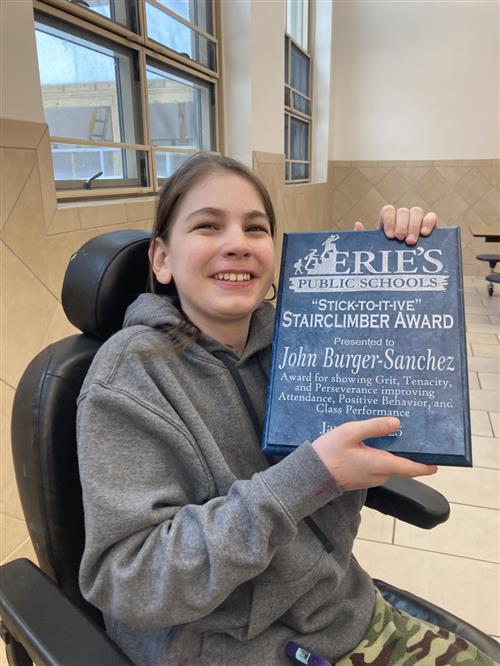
[196, 549]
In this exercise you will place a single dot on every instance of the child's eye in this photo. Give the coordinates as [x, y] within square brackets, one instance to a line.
[206, 225]
[258, 227]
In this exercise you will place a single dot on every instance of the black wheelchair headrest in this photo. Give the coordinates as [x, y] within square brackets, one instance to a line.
[103, 278]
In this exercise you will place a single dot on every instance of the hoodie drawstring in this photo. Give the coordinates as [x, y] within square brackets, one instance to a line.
[235, 374]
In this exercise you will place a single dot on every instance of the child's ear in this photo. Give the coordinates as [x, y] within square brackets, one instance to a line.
[158, 258]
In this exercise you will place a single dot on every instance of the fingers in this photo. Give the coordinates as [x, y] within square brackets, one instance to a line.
[359, 226]
[387, 220]
[429, 223]
[406, 223]
[355, 431]
[399, 466]
[416, 215]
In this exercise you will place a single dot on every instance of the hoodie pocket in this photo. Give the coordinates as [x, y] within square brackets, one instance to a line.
[213, 649]
[294, 559]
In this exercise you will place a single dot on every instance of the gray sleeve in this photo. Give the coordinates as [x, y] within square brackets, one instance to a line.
[159, 551]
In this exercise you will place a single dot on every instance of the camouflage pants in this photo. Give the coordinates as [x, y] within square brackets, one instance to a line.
[395, 638]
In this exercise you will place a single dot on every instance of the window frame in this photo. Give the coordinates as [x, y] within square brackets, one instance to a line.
[291, 112]
[90, 21]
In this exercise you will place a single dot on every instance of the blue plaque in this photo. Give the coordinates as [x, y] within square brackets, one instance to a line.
[365, 327]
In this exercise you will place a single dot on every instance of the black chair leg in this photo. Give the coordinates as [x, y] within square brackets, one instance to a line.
[16, 654]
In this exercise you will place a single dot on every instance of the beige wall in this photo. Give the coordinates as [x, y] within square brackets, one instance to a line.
[253, 58]
[416, 80]
[20, 95]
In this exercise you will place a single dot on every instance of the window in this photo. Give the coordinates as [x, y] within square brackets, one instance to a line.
[125, 106]
[298, 103]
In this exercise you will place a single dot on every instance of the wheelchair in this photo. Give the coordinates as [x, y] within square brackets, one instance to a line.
[44, 618]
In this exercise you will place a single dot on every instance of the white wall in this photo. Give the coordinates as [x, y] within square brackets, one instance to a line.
[415, 80]
[20, 94]
[252, 74]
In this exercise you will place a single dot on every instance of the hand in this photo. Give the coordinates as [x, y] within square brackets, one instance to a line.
[403, 223]
[354, 465]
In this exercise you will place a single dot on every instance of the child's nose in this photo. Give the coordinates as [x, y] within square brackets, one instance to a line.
[236, 243]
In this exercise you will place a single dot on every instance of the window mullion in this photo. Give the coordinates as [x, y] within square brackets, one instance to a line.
[146, 121]
[181, 19]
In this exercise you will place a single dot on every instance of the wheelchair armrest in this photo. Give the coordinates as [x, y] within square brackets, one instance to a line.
[50, 627]
[410, 501]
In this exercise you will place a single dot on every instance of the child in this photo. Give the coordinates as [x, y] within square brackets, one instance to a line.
[198, 551]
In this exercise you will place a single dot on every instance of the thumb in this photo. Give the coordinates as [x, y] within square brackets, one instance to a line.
[368, 428]
[359, 226]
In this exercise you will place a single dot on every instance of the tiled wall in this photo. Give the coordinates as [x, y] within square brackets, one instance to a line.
[462, 192]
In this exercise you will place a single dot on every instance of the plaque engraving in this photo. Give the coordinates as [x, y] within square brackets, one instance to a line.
[365, 327]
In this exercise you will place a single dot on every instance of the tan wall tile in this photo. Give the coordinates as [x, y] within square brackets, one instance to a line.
[411, 198]
[413, 173]
[59, 328]
[453, 173]
[492, 174]
[472, 186]
[367, 209]
[340, 173]
[488, 207]
[9, 497]
[27, 309]
[15, 167]
[393, 186]
[102, 215]
[450, 206]
[270, 158]
[339, 205]
[355, 186]
[432, 186]
[65, 219]
[25, 550]
[24, 232]
[14, 533]
[20, 134]
[375, 173]
[46, 175]
[140, 210]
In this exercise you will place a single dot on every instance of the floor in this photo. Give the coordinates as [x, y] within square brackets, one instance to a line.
[455, 565]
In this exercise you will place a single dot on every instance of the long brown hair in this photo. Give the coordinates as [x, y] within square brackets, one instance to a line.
[189, 174]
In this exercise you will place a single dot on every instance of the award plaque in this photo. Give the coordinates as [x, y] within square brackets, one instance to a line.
[365, 327]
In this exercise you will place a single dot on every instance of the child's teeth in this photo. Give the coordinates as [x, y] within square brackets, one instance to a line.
[233, 277]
